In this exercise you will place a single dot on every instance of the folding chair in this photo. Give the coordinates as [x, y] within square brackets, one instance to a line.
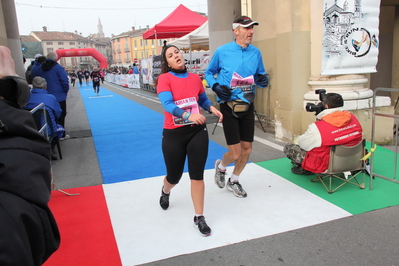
[345, 165]
[45, 126]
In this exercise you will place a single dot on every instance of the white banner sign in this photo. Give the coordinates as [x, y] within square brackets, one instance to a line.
[133, 81]
[146, 70]
[350, 37]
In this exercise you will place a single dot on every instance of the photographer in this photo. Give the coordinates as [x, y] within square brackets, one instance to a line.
[334, 126]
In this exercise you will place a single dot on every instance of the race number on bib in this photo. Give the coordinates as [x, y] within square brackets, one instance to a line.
[188, 105]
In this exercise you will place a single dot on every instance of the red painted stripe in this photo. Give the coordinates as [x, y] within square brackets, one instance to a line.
[87, 237]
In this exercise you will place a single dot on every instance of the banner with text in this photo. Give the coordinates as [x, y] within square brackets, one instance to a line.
[350, 36]
[197, 62]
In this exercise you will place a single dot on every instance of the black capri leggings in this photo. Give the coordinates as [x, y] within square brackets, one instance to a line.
[190, 141]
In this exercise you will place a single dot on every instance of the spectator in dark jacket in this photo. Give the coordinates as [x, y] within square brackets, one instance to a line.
[57, 83]
[39, 60]
[28, 231]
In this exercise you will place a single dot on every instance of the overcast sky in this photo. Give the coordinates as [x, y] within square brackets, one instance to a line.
[116, 16]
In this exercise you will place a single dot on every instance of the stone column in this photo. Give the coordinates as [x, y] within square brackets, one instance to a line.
[351, 87]
[12, 32]
[221, 14]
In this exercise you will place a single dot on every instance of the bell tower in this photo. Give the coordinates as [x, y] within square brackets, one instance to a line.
[100, 29]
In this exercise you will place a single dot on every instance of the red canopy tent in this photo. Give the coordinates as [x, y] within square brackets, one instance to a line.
[179, 23]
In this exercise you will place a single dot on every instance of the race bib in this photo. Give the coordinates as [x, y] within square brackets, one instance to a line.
[188, 105]
[238, 82]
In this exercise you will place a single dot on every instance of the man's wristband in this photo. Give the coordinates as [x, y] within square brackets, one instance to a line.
[186, 115]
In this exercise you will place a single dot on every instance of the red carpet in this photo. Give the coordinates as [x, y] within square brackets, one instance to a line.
[87, 237]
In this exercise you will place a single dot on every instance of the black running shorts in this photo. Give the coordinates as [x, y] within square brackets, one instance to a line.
[239, 126]
[187, 141]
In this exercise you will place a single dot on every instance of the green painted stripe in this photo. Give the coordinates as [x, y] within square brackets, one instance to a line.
[349, 197]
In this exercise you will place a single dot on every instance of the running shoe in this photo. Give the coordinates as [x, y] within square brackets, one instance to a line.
[164, 200]
[200, 224]
[236, 188]
[65, 137]
[219, 175]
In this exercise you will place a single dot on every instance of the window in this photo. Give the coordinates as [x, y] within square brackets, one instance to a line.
[152, 41]
[135, 43]
[127, 39]
[72, 43]
[49, 43]
[50, 50]
[60, 43]
[62, 61]
[141, 42]
[74, 61]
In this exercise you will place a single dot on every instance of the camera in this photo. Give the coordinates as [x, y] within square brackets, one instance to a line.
[317, 108]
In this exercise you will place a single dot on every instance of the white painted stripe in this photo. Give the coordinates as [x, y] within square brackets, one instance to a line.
[100, 96]
[269, 143]
[263, 141]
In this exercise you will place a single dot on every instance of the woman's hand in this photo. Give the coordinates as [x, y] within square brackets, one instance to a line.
[198, 119]
[217, 113]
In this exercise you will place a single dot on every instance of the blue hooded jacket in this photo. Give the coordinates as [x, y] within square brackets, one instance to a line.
[56, 77]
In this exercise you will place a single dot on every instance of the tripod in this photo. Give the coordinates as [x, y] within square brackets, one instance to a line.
[257, 115]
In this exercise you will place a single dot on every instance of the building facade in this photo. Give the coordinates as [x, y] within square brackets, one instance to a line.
[54, 40]
[129, 47]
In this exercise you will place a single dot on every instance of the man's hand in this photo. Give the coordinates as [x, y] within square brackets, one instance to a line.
[222, 91]
[7, 67]
[262, 80]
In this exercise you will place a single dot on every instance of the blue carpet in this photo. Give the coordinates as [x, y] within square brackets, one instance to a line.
[127, 137]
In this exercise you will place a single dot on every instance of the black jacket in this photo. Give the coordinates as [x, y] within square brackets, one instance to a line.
[28, 231]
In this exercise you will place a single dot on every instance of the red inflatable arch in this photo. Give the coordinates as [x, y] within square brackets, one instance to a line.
[84, 52]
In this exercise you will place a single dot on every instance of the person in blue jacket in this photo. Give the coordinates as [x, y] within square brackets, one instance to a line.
[57, 83]
[233, 72]
[39, 60]
[38, 95]
[135, 69]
